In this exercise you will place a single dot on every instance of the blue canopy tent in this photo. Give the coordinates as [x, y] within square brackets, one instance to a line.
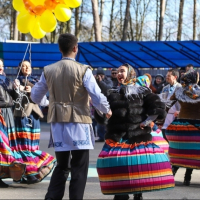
[109, 54]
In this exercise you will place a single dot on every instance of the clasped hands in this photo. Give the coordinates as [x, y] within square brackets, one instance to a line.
[20, 87]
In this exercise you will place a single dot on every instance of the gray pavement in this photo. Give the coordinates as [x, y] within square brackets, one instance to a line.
[92, 191]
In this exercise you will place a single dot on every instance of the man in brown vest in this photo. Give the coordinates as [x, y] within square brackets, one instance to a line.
[70, 84]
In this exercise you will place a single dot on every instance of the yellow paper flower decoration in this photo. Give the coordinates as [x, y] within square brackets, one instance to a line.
[40, 16]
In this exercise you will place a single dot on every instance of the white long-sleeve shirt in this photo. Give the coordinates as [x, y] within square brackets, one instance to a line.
[176, 107]
[73, 136]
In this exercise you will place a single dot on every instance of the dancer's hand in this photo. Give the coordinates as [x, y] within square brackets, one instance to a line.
[176, 114]
[99, 78]
[16, 84]
[109, 114]
[142, 126]
[28, 89]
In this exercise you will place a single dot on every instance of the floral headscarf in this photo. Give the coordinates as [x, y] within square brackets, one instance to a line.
[143, 81]
[189, 83]
[131, 75]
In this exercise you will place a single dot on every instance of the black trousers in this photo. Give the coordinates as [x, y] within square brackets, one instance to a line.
[188, 172]
[164, 136]
[75, 162]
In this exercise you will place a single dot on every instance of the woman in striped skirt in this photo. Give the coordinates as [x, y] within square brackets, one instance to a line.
[10, 165]
[130, 163]
[183, 133]
[26, 138]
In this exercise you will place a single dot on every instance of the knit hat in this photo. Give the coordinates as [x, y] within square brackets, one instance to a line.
[143, 81]
[161, 76]
[100, 71]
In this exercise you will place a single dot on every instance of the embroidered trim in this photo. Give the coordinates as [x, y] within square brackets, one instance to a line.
[58, 144]
[83, 142]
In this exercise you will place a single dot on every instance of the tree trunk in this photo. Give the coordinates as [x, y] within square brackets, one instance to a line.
[12, 25]
[162, 13]
[92, 33]
[126, 20]
[61, 27]
[81, 17]
[15, 26]
[53, 36]
[23, 37]
[97, 29]
[68, 26]
[180, 20]
[42, 40]
[194, 19]
[157, 19]
[137, 21]
[131, 27]
[77, 22]
[121, 18]
[101, 14]
[111, 20]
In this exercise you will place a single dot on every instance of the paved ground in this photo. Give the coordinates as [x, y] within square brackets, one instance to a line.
[37, 191]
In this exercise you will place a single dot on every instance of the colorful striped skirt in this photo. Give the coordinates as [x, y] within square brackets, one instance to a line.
[158, 139]
[25, 141]
[10, 166]
[184, 143]
[133, 168]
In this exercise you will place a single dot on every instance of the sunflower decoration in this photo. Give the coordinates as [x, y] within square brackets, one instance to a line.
[40, 16]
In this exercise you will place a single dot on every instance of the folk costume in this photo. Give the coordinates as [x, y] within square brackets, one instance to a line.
[157, 136]
[70, 84]
[166, 93]
[7, 94]
[26, 138]
[129, 162]
[183, 133]
[11, 166]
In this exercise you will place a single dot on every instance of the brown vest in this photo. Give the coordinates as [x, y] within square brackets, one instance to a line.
[68, 98]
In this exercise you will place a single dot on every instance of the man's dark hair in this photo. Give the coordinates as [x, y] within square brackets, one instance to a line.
[67, 42]
[174, 72]
[189, 65]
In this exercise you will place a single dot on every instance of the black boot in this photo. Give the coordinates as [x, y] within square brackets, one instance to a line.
[32, 180]
[174, 169]
[138, 196]
[187, 177]
[121, 197]
[3, 185]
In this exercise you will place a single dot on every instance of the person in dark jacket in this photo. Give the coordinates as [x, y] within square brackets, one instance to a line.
[105, 83]
[158, 83]
[114, 77]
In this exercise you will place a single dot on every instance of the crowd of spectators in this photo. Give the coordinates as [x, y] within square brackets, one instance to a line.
[157, 84]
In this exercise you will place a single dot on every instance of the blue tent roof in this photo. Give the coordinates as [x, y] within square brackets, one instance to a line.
[109, 54]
